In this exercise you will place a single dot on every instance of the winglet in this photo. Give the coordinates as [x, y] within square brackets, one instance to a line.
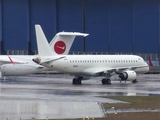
[42, 43]
[11, 60]
[150, 61]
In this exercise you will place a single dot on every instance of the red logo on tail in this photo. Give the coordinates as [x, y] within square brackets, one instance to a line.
[60, 47]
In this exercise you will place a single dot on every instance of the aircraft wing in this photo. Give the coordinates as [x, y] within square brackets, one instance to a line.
[101, 71]
[121, 69]
[96, 71]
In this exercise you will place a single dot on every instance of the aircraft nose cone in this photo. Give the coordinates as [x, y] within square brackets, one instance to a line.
[147, 68]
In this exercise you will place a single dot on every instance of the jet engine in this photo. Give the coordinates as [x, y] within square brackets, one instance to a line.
[128, 75]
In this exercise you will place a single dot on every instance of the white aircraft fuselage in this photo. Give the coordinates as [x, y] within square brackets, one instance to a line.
[92, 64]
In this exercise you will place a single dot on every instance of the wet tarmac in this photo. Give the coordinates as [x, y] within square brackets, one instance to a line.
[53, 96]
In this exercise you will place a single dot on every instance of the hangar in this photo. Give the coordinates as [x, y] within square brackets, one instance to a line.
[115, 26]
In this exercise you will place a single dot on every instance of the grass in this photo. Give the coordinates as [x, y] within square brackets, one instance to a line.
[147, 102]
[133, 116]
[123, 116]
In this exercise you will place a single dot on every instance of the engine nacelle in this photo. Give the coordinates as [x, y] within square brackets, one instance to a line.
[128, 75]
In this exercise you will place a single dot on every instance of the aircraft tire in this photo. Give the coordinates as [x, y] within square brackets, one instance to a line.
[135, 81]
[74, 81]
[79, 81]
[104, 81]
[108, 81]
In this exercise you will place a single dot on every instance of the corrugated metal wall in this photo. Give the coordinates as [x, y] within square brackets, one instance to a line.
[14, 18]
[70, 18]
[123, 26]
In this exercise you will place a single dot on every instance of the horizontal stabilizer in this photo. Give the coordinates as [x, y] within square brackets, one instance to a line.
[41, 60]
[72, 33]
[46, 60]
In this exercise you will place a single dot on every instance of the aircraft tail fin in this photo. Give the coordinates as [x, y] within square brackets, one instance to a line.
[11, 60]
[42, 43]
[63, 41]
[150, 61]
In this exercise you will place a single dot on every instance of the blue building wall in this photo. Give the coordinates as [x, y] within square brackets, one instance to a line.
[146, 26]
[44, 13]
[97, 25]
[14, 27]
[70, 19]
[121, 26]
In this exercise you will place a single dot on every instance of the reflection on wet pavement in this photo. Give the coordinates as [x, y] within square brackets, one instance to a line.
[54, 96]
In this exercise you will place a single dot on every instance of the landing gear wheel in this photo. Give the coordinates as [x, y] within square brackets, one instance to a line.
[77, 81]
[135, 81]
[74, 81]
[106, 81]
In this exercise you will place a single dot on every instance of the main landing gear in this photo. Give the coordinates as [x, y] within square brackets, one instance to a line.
[106, 81]
[135, 81]
[77, 81]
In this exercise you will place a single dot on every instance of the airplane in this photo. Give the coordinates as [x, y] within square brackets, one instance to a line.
[15, 65]
[150, 61]
[85, 66]
[154, 66]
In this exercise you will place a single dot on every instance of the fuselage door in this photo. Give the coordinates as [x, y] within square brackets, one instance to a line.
[140, 61]
[65, 63]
